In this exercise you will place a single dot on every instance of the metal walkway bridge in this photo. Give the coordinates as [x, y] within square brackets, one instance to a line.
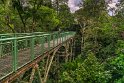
[22, 52]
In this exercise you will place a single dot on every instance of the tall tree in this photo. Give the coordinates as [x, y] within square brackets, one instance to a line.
[88, 17]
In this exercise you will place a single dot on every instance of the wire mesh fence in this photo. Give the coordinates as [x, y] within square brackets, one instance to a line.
[18, 49]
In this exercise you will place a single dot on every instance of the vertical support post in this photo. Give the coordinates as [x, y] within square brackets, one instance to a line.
[53, 40]
[73, 50]
[32, 41]
[26, 43]
[15, 49]
[32, 75]
[42, 44]
[38, 40]
[67, 35]
[66, 51]
[49, 39]
[64, 36]
[61, 37]
[1, 48]
[39, 74]
[57, 38]
[48, 68]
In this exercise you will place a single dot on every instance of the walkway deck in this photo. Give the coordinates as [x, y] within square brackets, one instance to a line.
[24, 56]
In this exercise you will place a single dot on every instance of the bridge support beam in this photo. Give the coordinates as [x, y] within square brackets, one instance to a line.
[48, 65]
[50, 57]
[32, 75]
[34, 70]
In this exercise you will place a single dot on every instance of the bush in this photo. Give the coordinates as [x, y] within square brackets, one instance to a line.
[116, 64]
[84, 71]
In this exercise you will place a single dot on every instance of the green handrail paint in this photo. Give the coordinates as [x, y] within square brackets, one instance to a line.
[32, 48]
[15, 49]
[29, 41]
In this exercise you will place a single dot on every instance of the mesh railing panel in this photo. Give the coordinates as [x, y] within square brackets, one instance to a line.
[18, 49]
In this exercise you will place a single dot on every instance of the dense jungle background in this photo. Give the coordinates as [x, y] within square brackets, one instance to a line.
[99, 53]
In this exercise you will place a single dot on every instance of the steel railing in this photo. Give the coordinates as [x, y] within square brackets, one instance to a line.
[12, 45]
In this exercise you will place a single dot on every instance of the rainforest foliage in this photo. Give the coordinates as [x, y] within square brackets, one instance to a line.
[100, 37]
[102, 46]
[33, 15]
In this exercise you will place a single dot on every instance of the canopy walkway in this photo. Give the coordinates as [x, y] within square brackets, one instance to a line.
[21, 52]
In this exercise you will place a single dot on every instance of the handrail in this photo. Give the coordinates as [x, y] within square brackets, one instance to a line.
[30, 42]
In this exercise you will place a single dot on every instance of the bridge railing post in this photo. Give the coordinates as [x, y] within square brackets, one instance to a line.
[60, 37]
[64, 36]
[48, 41]
[26, 43]
[54, 40]
[32, 41]
[14, 53]
[1, 48]
[57, 35]
[69, 34]
[42, 44]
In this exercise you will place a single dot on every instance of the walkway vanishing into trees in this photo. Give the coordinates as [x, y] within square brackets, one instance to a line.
[21, 52]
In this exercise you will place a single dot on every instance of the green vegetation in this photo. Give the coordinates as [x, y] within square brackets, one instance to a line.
[102, 46]
[33, 15]
[84, 71]
[100, 36]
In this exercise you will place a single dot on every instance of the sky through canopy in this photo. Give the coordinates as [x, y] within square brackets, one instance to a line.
[74, 6]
